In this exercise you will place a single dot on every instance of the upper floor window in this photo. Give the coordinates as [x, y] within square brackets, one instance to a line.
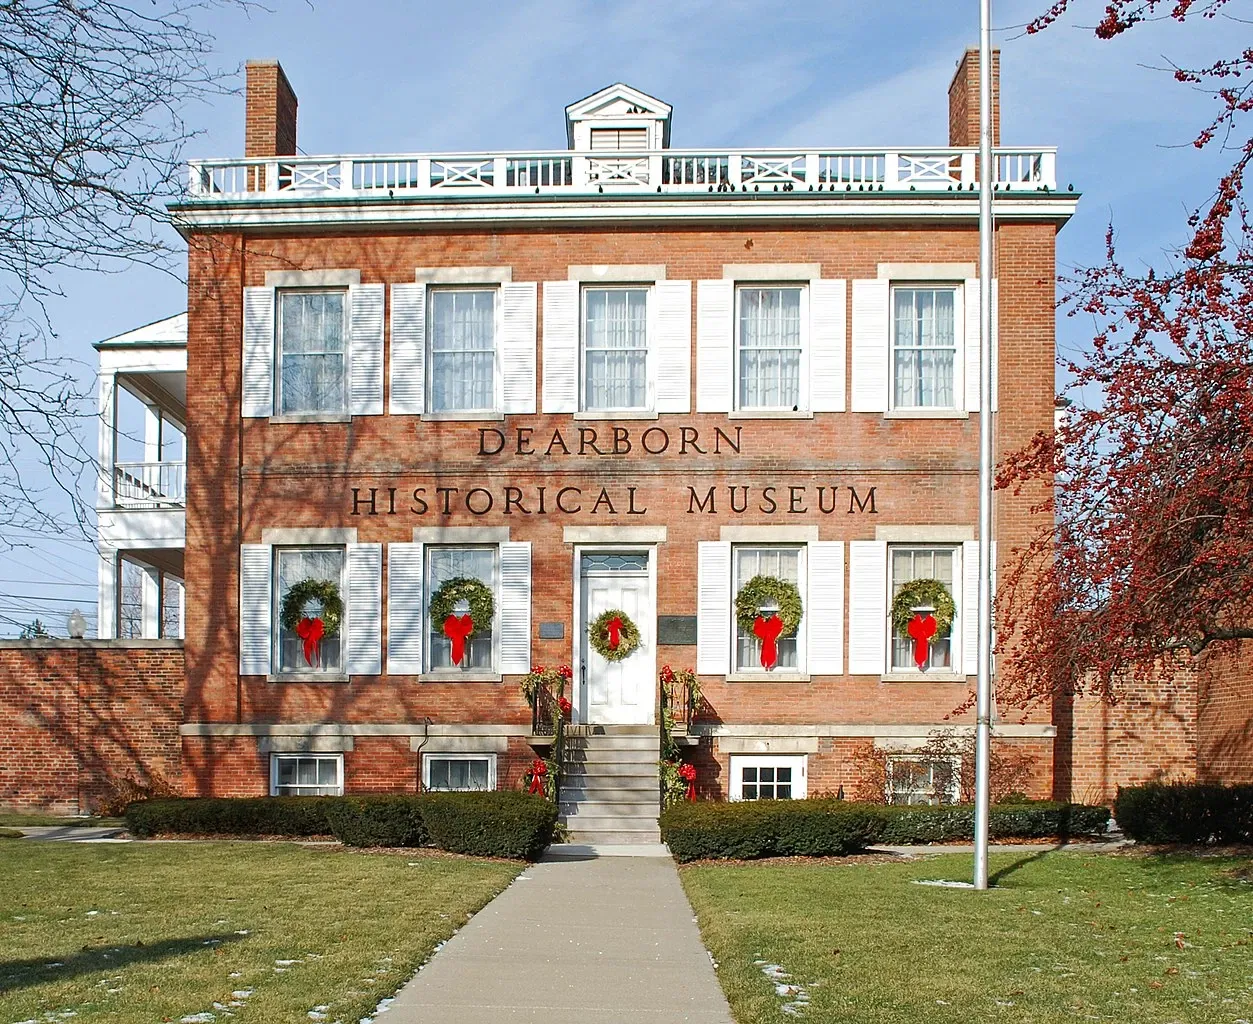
[311, 638]
[615, 349]
[311, 349]
[462, 335]
[451, 565]
[785, 563]
[770, 347]
[918, 563]
[924, 348]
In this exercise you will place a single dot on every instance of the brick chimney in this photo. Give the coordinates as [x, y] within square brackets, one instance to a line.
[269, 111]
[963, 100]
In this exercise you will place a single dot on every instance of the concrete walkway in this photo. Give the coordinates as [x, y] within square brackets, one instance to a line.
[583, 937]
[73, 833]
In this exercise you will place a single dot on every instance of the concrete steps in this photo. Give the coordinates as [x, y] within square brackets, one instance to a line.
[609, 793]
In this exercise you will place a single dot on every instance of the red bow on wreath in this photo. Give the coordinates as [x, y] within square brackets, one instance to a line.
[310, 631]
[458, 629]
[768, 631]
[614, 626]
[538, 770]
[922, 629]
[687, 772]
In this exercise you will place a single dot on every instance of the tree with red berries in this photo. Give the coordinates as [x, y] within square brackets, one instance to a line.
[1149, 551]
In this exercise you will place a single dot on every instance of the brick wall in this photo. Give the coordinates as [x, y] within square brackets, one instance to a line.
[1225, 716]
[269, 111]
[963, 100]
[75, 715]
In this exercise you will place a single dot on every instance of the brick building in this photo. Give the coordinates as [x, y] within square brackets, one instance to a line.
[621, 377]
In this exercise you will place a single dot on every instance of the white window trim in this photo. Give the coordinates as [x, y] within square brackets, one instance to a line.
[276, 626]
[649, 408]
[498, 379]
[805, 403]
[491, 674]
[799, 763]
[954, 759]
[276, 757]
[801, 671]
[959, 350]
[490, 758]
[332, 415]
[955, 670]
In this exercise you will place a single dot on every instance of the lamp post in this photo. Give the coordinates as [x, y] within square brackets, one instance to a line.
[983, 703]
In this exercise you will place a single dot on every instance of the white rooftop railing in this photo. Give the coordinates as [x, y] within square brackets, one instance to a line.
[574, 173]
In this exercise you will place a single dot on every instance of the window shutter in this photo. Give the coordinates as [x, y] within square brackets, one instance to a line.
[824, 612]
[517, 347]
[561, 346]
[970, 298]
[365, 358]
[674, 346]
[969, 610]
[404, 608]
[365, 610]
[715, 352]
[872, 348]
[408, 370]
[827, 344]
[258, 354]
[515, 608]
[713, 608]
[255, 595]
[867, 607]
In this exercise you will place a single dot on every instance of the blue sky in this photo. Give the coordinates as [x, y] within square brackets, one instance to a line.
[396, 76]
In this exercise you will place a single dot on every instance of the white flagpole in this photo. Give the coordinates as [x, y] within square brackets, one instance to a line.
[983, 707]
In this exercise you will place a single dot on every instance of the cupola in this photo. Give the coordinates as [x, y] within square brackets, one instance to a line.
[618, 118]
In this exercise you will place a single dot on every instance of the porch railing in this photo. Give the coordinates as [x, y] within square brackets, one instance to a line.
[150, 485]
[547, 720]
[924, 169]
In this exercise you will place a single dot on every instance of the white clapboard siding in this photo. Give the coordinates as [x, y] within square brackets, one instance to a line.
[970, 298]
[515, 607]
[867, 607]
[255, 568]
[404, 609]
[517, 347]
[258, 348]
[674, 346]
[713, 608]
[365, 354]
[969, 610]
[407, 383]
[715, 352]
[561, 346]
[824, 611]
[872, 348]
[828, 345]
[365, 610]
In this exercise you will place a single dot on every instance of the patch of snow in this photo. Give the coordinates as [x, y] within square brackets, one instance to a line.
[285, 963]
[242, 931]
[242, 993]
[944, 883]
[93, 913]
[198, 1018]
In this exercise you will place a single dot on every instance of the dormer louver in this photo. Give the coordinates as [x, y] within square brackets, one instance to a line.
[618, 118]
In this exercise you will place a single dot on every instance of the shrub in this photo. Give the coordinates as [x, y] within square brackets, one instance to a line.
[1185, 813]
[498, 824]
[914, 825]
[382, 820]
[768, 828]
[234, 816]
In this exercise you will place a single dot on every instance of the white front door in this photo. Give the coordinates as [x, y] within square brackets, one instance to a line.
[618, 692]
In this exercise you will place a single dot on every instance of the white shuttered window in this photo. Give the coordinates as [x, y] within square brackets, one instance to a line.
[926, 336]
[292, 654]
[461, 334]
[909, 562]
[770, 357]
[312, 351]
[615, 349]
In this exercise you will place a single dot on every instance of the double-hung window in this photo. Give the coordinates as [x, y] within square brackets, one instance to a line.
[925, 367]
[462, 336]
[445, 563]
[311, 351]
[311, 641]
[770, 348]
[616, 375]
[919, 779]
[461, 773]
[306, 774]
[908, 563]
[786, 563]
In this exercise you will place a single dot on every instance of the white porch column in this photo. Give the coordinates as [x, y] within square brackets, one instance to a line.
[106, 445]
[151, 598]
[106, 598]
[152, 433]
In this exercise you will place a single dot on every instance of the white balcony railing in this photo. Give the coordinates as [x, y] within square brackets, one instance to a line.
[666, 171]
[150, 485]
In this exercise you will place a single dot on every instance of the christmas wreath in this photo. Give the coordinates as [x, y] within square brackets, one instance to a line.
[769, 592]
[613, 635]
[924, 593]
[460, 628]
[312, 628]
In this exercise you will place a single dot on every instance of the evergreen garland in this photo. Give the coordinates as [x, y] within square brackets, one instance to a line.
[628, 635]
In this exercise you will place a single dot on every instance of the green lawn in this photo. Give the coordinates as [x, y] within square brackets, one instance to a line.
[271, 932]
[1064, 937]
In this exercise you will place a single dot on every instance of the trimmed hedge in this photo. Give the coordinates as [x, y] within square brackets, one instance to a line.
[502, 824]
[296, 816]
[497, 824]
[834, 828]
[1185, 813]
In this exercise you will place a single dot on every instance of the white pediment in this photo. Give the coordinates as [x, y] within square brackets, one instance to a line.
[618, 106]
